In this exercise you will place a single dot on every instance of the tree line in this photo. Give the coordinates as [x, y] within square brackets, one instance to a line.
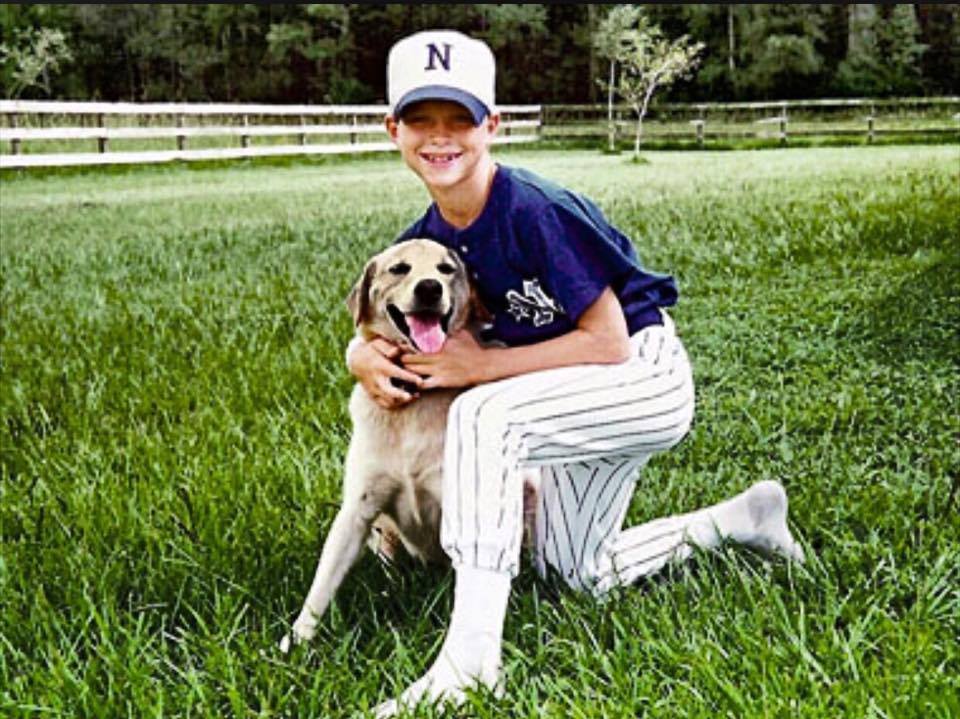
[330, 53]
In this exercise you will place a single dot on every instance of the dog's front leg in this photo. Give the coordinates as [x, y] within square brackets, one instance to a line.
[340, 551]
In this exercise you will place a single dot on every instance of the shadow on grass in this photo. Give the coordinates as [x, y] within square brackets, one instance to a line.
[919, 320]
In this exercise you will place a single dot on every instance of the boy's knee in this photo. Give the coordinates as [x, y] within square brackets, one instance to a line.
[681, 430]
[477, 410]
[584, 576]
[681, 427]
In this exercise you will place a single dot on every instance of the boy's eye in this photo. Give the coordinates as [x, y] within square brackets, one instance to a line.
[446, 268]
[401, 268]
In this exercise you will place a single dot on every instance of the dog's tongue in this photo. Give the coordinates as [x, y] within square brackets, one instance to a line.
[427, 333]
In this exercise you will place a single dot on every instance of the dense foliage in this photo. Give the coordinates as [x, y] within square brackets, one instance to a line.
[326, 53]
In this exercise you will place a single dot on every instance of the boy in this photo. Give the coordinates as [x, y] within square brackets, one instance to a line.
[592, 382]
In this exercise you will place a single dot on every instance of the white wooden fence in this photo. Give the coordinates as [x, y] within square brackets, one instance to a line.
[281, 130]
[851, 117]
[43, 133]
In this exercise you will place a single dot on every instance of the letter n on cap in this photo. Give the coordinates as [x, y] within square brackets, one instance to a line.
[434, 54]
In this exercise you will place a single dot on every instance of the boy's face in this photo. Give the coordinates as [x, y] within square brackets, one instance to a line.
[439, 142]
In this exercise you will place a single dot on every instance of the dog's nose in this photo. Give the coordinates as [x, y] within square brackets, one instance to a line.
[428, 292]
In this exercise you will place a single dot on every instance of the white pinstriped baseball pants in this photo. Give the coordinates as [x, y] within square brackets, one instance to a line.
[589, 428]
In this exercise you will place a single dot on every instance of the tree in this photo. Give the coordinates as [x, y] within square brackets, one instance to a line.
[33, 57]
[653, 62]
[884, 51]
[719, 62]
[612, 41]
[779, 52]
[322, 37]
[940, 32]
[515, 34]
[546, 53]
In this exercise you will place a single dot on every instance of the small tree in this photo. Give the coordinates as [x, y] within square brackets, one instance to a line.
[33, 57]
[612, 41]
[653, 62]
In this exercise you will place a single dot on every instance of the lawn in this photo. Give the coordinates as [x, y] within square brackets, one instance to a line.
[173, 405]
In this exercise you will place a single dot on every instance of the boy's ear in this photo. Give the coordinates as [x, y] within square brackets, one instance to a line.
[358, 301]
[391, 123]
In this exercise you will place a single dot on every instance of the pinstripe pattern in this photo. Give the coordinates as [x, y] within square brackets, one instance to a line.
[589, 428]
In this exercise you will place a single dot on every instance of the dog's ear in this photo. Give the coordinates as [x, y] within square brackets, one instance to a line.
[478, 310]
[358, 301]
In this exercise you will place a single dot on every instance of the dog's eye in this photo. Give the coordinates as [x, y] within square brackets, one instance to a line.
[401, 268]
[446, 268]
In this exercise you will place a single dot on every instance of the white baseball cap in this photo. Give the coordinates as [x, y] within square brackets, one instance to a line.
[441, 65]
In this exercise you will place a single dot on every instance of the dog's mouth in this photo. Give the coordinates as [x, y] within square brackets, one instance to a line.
[427, 331]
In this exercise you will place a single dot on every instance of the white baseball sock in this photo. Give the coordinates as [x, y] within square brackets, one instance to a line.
[470, 654]
[756, 517]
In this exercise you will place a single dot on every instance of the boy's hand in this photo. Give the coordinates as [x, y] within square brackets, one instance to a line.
[372, 363]
[458, 364]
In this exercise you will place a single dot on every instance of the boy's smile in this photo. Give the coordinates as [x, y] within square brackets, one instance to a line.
[437, 159]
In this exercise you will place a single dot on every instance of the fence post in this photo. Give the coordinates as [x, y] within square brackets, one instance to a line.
[701, 120]
[245, 139]
[541, 118]
[181, 139]
[353, 135]
[15, 123]
[870, 120]
[302, 137]
[101, 141]
[783, 123]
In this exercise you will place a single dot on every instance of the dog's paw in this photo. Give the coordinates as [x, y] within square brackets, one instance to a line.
[300, 632]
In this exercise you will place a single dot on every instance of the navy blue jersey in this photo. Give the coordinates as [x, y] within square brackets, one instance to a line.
[540, 255]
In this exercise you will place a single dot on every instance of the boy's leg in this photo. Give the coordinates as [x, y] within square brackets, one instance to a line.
[557, 416]
[581, 509]
[613, 416]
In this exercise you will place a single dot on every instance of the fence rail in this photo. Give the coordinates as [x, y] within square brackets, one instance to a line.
[52, 133]
[780, 120]
[341, 129]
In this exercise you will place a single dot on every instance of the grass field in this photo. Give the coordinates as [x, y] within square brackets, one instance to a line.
[173, 403]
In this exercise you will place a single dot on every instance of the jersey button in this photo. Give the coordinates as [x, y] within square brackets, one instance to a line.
[464, 249]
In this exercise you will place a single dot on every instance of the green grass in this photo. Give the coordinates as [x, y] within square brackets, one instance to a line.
[173, 425]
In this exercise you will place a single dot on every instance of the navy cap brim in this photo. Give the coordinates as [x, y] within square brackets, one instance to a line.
[442, 92]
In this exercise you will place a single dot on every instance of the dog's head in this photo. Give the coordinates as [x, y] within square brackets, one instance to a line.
[414, 294]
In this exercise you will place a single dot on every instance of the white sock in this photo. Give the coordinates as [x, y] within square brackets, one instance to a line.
[756, 517]
[470, 654]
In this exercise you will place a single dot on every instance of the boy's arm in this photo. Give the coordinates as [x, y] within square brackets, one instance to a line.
[600, 337]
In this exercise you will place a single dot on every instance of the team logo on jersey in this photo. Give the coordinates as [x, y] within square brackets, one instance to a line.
[533, 304]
